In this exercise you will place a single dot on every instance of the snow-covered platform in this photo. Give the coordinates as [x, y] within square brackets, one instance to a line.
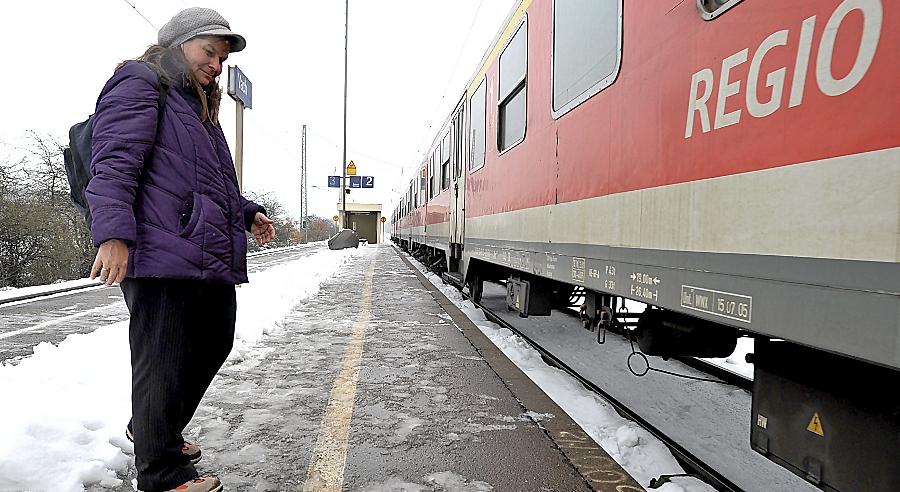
[350, 371]
[379, 383]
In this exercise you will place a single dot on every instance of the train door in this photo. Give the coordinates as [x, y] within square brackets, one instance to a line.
[423, 200]
[457, 181]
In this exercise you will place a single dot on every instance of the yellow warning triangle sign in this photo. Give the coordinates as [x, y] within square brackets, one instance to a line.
[815, 425]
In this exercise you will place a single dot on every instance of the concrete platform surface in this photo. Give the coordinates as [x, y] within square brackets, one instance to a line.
[379, 383]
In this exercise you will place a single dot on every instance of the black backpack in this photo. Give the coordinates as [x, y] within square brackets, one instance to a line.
[77, 156]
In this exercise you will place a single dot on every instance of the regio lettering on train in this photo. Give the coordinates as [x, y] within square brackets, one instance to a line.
[827, 83]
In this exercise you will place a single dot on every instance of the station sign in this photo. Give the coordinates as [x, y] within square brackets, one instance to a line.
[334, 181]
[239, 87]
[362, 181]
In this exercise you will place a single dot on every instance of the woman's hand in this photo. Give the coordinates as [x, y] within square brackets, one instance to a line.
[111, 263]
[262, 229]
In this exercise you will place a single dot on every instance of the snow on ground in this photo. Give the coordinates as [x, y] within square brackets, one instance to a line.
[637, 451]
[272, 293]
[737, 362]
[65, 407]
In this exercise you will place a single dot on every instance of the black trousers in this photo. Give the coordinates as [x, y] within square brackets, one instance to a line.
[180, 333]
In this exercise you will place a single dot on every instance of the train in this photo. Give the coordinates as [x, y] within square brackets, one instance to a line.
[734, 165]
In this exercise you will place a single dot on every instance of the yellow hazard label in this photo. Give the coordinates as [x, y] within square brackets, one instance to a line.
[815, 425]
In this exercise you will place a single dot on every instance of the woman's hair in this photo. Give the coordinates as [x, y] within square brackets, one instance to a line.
[170, 62]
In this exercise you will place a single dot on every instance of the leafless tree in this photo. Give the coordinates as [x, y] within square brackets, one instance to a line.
[287, 233]
[319, 228]
[42, 238]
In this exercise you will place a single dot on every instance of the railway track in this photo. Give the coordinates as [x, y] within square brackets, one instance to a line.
[97, 283]
[693, 465]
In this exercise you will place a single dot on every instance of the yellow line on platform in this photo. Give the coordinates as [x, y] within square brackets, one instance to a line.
[326, 470]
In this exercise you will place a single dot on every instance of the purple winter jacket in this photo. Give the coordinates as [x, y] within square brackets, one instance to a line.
[181, 214]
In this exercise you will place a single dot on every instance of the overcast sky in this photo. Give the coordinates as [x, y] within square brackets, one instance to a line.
[409, 61]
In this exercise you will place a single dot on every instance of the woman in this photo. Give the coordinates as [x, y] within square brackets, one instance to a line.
[169, 221]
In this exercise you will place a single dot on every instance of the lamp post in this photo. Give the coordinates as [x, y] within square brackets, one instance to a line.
[344, 160]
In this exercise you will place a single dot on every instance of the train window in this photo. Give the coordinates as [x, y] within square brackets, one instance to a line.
[423, 183]
[459, 148]
[587, 50]
[445, 161]
[431, 177]
[710, 9]
[445, 147]
[477, 111]
[513, 76]
[454, 160]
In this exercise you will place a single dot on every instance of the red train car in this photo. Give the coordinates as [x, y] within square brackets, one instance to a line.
[734, 164]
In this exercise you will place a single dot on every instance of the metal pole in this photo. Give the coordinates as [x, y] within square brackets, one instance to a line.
[344, 161]
[239, 143]
[304, 205]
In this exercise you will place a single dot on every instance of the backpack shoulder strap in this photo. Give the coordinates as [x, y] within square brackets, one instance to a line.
[164, 85]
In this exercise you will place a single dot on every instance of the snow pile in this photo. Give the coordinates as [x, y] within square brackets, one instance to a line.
[446, 481]
[65, 412]
[272, 293]
[65, 407]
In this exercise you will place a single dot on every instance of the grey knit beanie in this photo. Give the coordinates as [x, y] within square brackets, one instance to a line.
[198, 21]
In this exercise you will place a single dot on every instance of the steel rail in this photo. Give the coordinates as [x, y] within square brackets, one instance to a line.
[73, 288]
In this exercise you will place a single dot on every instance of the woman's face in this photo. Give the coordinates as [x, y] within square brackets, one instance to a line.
[205, 56]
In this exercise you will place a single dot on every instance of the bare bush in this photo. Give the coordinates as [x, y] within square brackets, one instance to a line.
[42, 238]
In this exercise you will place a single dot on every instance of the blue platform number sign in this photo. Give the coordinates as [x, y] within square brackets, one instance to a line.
[239, 86]
[356, 181]
[368, 181]
[334, 181]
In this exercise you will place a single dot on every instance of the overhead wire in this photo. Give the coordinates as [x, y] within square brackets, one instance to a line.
[459, 55]
[142, 15]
